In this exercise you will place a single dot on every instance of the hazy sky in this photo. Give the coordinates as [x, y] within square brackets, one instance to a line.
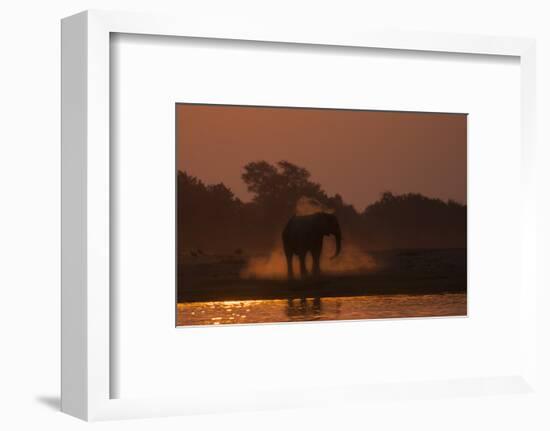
[358, 154]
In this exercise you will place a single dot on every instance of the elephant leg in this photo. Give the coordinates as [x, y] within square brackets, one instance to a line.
[303, 269]
[316, 265]
[290, 271]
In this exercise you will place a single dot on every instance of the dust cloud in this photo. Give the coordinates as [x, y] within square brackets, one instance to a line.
[350, 261]
[308, 206]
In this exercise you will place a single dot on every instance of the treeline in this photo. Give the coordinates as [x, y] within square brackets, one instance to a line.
[212, 219]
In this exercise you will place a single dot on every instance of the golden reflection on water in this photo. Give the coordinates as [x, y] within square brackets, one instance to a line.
[312, 309]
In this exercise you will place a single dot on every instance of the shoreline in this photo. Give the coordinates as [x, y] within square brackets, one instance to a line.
[324, 287]
[412, 272]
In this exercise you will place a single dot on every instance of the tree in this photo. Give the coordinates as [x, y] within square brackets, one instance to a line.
[208, 215]
[414, 221]
[278, 187]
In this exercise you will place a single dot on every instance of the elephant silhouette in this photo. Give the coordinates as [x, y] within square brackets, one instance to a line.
[304, 234]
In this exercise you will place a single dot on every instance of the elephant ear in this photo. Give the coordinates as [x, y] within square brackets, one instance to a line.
[327, 222]
[323, 223]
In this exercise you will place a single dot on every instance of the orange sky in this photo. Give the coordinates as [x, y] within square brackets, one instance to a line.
[358, 154]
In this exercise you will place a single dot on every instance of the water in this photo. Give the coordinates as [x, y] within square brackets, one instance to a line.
[316, 309]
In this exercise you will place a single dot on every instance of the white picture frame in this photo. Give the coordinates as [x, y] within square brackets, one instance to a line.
[86, 241]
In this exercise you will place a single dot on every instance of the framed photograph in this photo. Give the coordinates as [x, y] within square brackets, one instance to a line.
[270, 218]
[252, 226]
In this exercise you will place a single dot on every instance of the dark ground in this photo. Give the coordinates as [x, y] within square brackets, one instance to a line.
[419, 271]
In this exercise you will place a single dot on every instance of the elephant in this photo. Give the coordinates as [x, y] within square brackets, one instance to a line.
[304, 234]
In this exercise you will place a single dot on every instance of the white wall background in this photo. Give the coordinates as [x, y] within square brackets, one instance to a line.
[30, 183]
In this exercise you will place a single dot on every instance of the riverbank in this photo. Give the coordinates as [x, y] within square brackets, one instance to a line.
[397, 272]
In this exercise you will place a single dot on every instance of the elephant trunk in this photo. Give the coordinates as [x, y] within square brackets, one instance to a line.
[338, 238]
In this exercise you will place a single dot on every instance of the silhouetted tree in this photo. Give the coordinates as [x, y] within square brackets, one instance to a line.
[207, 214]
[413, 221]
[279, 187]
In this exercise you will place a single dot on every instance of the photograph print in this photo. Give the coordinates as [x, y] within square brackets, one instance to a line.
[291, 214]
